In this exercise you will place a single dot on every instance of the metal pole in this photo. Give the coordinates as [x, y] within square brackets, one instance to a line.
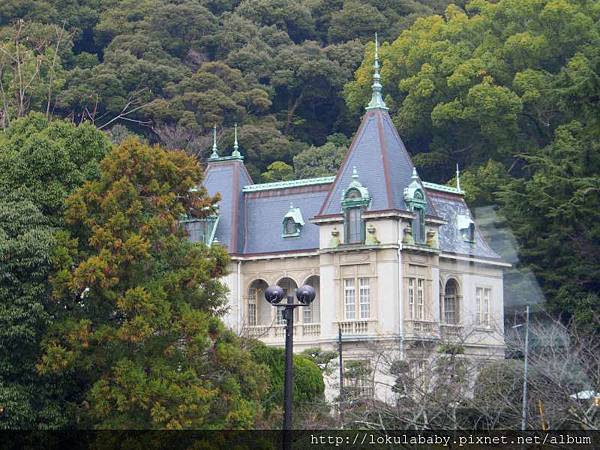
[524, 409]
[289, 374]
[341, 360]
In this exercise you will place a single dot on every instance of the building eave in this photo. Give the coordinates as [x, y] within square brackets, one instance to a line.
[475, 259]
[288, 254]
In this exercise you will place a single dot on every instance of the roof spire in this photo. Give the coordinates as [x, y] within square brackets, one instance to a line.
[236, 148]
[415, 176]
[215, 153]
[376, 98]
[457, 177]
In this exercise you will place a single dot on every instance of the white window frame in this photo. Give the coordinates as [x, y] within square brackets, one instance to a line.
[349, 294]
[361, 387]
[358, 290]
[411, 298]
[420, 310]
[252, 309]
[364, 289]
[307, 313]
[454, 300]
[416, 298]
[483, 301]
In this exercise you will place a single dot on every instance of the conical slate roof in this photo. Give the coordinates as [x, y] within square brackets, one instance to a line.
[382, 162]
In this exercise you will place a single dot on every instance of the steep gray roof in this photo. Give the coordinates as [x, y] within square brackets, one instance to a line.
[227, 178]
[450, 207]
[251, 215]
[384, 166]
[265, 210]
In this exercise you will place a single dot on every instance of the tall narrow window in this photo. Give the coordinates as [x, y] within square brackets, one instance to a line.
[420, 299]
[349, 299]
[416, 298]
[252, 307]
[356, 198]
[307, 316]
[419, 225]
[289, 227]
[279, 320]
[411, 298]
[354, 226]
[451, 303]
[483, 300]
[414, 196]
[365, 298]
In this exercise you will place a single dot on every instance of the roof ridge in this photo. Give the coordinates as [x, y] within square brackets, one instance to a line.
[287, 184]
[442, 188]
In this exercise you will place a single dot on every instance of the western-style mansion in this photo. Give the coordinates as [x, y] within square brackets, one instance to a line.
[398, 263]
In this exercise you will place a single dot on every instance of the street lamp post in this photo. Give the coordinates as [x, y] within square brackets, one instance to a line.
[274, 295]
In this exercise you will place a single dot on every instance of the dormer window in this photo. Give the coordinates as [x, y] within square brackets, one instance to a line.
[416, 202]
[292, 222]
[466, 226]
[201, 229]
[355, 201]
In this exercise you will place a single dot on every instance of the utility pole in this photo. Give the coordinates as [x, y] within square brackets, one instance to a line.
[524, 408]
[341, 360]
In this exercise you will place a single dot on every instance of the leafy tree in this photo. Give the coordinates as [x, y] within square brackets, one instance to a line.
[293, 17]
[26, 242]
[137, 325]
[214, 94]
[308, 381]
[555, 214]
[484, 83]
[278, 171]
[45, 161]
[321, 161]
[31, 70]
[41, 163]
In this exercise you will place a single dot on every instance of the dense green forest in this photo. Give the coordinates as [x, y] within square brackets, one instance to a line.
[508, 89]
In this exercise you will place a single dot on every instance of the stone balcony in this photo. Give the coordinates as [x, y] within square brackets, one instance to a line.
[276, 333]
[451, 332]
[356, 327]
[421, 330]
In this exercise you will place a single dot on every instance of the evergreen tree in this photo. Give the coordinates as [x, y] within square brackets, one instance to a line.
[137, 325]
[41, 163]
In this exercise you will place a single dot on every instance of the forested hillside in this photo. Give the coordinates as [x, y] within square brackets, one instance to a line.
[510, 90]
[99, 288]
[170, 70]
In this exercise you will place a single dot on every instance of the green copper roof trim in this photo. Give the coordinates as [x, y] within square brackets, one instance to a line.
[287, 184]
[442, 188]
[215, 151]
[376, 97]
[226, 158]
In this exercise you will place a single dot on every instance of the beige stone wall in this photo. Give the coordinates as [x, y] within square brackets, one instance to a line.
[389, 328]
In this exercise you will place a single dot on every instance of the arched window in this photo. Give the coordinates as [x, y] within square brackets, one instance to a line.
[419, 224]
[354, 225]
[257, 310]
[292, 222]
[414, 197]
[289, 286]
[289, 227]
[356, 199]
[451, 303]
[311, 313]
